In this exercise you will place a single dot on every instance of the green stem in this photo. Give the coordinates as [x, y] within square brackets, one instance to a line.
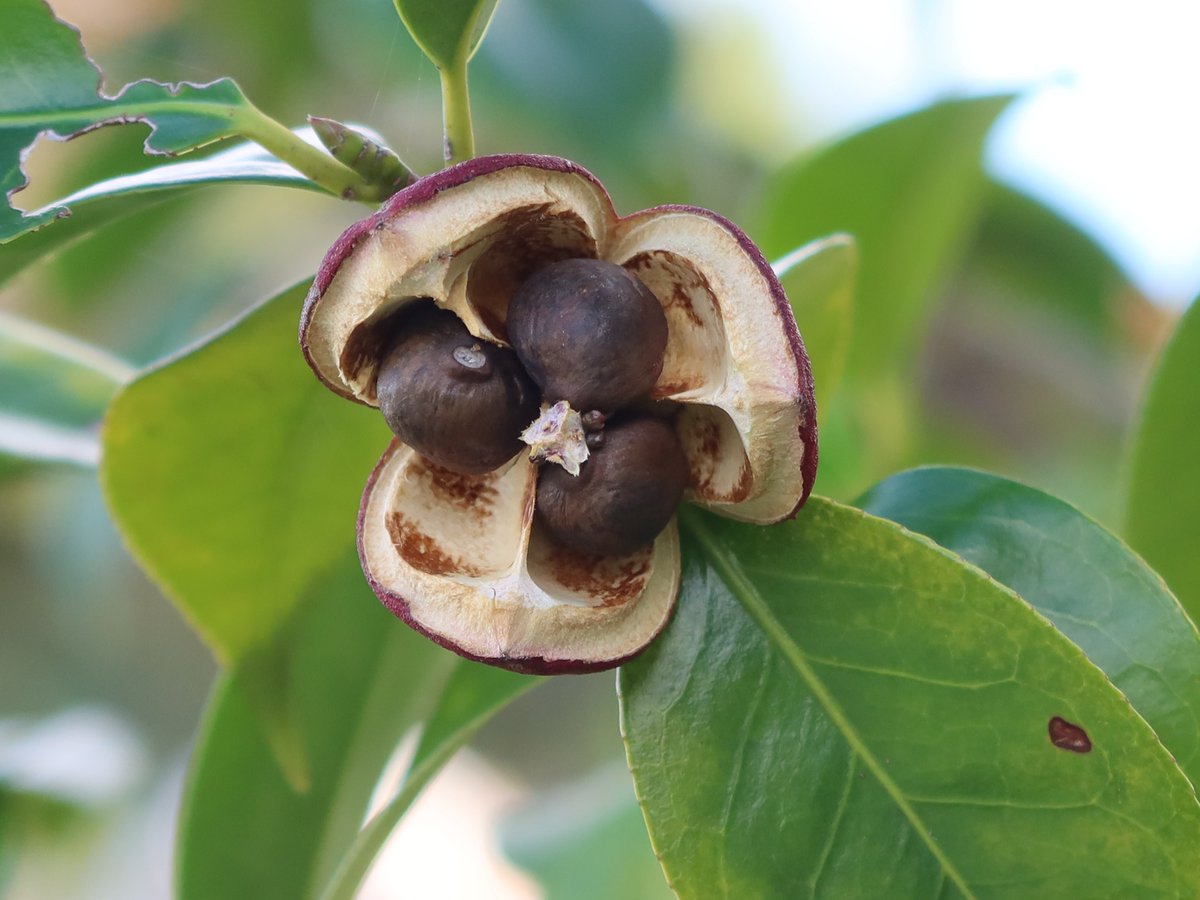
[456, 113]
[310, 161]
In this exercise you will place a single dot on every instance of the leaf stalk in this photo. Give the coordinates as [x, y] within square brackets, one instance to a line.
[456, 113]
[312, 162]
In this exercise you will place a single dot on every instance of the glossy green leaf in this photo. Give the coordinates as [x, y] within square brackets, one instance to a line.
[448, 31]
[48, 85]
[1162, 503]
[819, 281]
[587, 841]
[1075, 573]
[235, 476]
[842, 709]
[909, 191]
[357, 679]
[53, 393]
[473, 694]
[97, 205]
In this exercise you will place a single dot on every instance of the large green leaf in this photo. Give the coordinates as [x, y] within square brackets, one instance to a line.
[97, 205]
[53, 393]
[1079, 576]
[473, 694]
[842, 709]
[1041, 260]
[909, 191]
[359, 679]
[1162, 504]
[448, 31]
[235, 476]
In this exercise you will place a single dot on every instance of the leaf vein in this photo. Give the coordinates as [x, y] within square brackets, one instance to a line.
[746, 594]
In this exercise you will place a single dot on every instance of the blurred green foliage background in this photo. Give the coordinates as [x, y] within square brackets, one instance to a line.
[986, 331]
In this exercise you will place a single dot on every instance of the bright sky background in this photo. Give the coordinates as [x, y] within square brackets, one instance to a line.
[1109, 132]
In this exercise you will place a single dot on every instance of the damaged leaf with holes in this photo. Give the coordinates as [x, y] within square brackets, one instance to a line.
[474, 309]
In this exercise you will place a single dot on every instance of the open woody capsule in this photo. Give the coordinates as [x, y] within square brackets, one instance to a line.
[459, 556]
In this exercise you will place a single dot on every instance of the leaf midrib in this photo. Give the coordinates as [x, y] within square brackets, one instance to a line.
[746, 594]
[114, 109]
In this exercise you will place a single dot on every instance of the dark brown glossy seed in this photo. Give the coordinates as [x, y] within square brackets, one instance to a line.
[625, 493]
[588, 332]
[458, 401]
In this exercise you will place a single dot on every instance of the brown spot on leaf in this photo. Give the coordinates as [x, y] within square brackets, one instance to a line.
[475, 493]
[421, 551]
[610, 581]
[1067, 736]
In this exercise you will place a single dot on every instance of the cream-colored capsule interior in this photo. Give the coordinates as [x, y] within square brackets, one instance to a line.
[459, 556]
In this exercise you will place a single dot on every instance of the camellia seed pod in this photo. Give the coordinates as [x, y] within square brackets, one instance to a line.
[463, 557]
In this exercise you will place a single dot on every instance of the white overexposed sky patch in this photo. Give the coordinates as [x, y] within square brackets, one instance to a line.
[1108, 132]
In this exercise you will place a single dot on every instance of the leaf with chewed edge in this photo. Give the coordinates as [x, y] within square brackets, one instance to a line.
[97, 205]
[50, 87]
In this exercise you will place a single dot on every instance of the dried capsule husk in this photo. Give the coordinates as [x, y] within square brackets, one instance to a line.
[459, 401]
[588, 332]
[624, 495]
[458, 556]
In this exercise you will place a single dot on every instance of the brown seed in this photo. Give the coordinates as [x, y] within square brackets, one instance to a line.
[458, 401]
[625, 493]
[588, 332]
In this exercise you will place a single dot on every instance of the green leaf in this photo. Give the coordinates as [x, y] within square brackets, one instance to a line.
[840, 708]
[909, 192]
[819, 281]
[1045, 263]
[235, 476]
[1083, 579]
[587, 841]
[53, 393]
[447, 31]
[99, 204]
[1162, 503]
[473, 694]
[50, 87]
[359, 679]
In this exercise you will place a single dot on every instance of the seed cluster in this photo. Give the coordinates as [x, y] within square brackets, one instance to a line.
[583, 331]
